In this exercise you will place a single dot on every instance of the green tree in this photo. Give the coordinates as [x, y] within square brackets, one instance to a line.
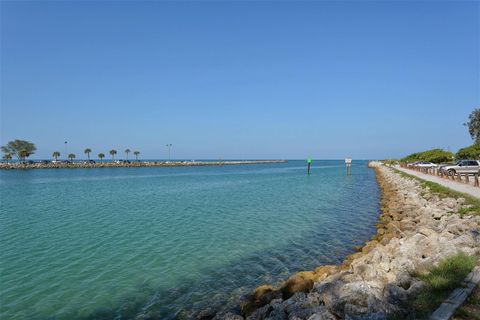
[473, 125]
[113, 152]
[136, 153]
[127, 151]
[470, 152]
[434, 155]
[101, 156]
[23, 154]
[56, 154]
[20, 148]
[87, 152]
[7, 157]
[71, 156]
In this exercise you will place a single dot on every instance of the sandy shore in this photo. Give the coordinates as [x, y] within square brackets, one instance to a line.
[132, 164]
[416, 229]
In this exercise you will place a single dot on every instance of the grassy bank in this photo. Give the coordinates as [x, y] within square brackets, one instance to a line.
[440, 281]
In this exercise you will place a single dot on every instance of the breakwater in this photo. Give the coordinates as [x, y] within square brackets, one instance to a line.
[417, 229]
[131, 164]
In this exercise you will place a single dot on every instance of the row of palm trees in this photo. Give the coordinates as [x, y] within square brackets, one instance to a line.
[87, 151]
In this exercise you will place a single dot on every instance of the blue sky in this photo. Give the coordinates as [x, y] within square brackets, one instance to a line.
[240, 79]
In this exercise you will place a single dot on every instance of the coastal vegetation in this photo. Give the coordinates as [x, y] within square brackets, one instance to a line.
[87, 152]
[470, 152]
[7, 157]
[473, 125]
[21, 149]
[440, 280]
[434, 155]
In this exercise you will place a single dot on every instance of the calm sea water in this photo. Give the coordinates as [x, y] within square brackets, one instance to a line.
[116, 243]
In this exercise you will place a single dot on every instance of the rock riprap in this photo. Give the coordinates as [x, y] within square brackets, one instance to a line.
[416, 230]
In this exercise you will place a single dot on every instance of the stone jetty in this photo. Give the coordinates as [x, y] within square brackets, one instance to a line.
[124, 164]
[416, 230]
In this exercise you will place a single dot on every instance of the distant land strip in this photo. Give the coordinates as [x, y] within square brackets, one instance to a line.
[125, 164]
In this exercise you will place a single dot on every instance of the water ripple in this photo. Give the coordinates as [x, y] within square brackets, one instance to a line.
[161, 242]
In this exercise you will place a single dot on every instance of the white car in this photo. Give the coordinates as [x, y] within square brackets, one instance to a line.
[422, 164]
[425, 164]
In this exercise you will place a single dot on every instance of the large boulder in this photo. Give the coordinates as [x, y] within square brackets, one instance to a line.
[259, 298]
[297, 283]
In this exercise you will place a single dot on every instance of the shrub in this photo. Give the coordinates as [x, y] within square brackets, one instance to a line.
[470, 152]
[434, 155]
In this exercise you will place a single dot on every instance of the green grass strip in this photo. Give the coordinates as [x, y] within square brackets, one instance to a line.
[440, 280]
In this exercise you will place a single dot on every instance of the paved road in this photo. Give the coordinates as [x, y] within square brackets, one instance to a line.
[454, 185]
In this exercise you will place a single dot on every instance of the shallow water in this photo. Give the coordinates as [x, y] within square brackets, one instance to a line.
[114, 243]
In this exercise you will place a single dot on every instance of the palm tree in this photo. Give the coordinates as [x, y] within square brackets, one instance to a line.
[56, 154]
[101, 156]
[113, 152]
[7, 157]
[87, 152]
[136, 153]
[127, 151]
[71, 156]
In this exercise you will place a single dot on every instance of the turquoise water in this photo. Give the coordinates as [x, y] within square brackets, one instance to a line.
[115, 243]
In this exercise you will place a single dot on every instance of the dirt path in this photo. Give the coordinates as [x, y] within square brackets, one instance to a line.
[454, 185]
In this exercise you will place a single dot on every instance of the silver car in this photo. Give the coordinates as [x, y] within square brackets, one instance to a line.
[463, 166]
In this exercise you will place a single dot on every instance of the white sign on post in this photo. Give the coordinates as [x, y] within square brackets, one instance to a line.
[348, 163]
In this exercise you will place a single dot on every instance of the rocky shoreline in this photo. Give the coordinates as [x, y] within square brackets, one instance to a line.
[416, 230]
[132, 164]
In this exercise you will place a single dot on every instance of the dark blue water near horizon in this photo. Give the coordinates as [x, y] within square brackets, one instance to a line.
[117, 243]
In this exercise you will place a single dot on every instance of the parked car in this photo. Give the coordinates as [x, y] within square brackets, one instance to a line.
[422, 164]
[463, 166]
[412, 164]
[425, 164]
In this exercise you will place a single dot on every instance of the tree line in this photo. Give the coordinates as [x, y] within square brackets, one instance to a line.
[87, 151]
[22, 149]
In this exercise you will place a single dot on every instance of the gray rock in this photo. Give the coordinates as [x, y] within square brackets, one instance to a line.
[227, 316]
[322, 314]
